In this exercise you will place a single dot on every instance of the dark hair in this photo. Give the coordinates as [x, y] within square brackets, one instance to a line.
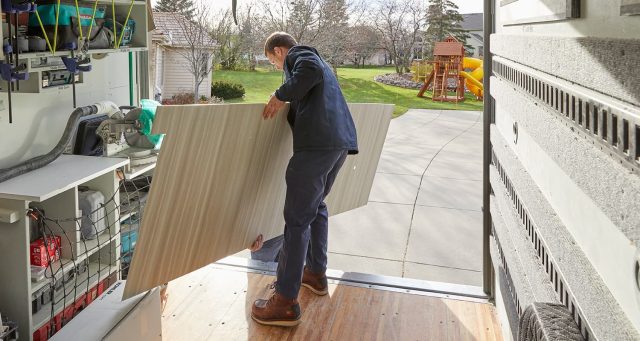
[279, 39]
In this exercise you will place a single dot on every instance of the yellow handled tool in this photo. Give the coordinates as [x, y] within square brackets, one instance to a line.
[126, 21]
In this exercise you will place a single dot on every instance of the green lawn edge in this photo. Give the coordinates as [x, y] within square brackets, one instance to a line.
[357, 85]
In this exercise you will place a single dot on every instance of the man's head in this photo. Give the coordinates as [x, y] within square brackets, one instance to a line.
[277, 46]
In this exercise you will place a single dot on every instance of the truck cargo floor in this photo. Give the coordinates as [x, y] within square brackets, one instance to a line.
[214, 303]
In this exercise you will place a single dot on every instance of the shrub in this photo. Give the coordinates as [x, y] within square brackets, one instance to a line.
[215, 100]
[210, 100]
[227, 90]
[181, 98]
[420, 70]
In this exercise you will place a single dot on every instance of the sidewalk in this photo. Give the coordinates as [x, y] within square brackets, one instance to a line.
[424, 217]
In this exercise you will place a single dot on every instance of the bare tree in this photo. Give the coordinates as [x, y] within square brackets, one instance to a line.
[223, 32]
[399, 23]
[237, 44]
[333, 32]
[275, 14]
[324, 24]
[300, 18]
[251, 35]
[304, 19]
[195, 44]
[364, 41]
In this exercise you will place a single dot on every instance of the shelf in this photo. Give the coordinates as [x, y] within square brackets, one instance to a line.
[34, 84]
[44, 315]
[93, 247]
[126, 216]
[135, 172]
[68, 264]
[66, 53]
[118, 2]
[119, 50]
[59, 88]
[129, 228]
[62, 174]
[44, 54]
[138, 14]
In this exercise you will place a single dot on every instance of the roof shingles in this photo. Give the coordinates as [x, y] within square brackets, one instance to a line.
[473, 22]
[170, 31]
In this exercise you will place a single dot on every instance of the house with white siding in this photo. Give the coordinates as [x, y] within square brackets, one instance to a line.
[171, 74]
[473, 24]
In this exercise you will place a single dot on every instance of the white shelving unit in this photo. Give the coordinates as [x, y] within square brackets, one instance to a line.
[55, 189]
[135, 172]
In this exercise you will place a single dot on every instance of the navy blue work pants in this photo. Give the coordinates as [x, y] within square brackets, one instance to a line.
[309, 178]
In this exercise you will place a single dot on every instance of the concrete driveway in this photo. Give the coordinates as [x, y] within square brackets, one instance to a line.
[424, 217]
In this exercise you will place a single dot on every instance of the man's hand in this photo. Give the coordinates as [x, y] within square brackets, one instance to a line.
[272, 107]
[257, 245]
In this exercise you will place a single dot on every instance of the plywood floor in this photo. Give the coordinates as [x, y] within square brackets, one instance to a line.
[214, 303]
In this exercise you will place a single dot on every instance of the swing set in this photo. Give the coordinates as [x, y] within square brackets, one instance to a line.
[447, 80]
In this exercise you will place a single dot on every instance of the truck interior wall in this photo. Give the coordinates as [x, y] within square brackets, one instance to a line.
[39, 119]
[597, 53]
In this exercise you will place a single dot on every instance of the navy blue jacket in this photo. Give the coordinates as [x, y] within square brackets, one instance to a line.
[318, 115]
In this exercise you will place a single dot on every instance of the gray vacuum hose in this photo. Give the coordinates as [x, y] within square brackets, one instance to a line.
[43, 160]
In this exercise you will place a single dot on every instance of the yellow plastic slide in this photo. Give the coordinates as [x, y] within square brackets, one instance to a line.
[473, 78]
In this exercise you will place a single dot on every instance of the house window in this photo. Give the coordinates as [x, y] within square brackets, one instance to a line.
[471, 51]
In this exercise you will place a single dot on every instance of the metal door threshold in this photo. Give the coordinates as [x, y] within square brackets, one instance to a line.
[377, 282]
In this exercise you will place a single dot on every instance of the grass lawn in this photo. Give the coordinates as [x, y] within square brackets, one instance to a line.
[357, 85]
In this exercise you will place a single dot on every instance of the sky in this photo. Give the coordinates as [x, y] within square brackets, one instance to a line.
[466, 6]
[469, 6]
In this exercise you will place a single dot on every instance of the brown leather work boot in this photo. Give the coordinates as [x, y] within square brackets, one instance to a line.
[276, 311]
[316, 282]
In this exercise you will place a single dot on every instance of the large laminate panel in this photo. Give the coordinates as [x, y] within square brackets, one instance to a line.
[219, 183]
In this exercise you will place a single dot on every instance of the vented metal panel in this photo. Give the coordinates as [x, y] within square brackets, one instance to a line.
[558, 283]
[612, 125]
[505, 266]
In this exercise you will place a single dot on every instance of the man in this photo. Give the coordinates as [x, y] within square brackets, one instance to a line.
[323, 135]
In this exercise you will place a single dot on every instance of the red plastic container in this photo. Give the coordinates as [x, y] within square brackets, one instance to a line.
[80, 304]
[41, 334]
[92, 294]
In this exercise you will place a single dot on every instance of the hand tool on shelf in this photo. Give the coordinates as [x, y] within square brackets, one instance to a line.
[8, 70]
[75, 64]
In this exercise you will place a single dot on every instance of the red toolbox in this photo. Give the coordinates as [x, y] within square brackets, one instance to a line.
[81, 302]
[101, 287]
[71, 310]
[65, 316]
[97, 290]
[92, 294]
[39, 248]
[41, 334]
[68, 313]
